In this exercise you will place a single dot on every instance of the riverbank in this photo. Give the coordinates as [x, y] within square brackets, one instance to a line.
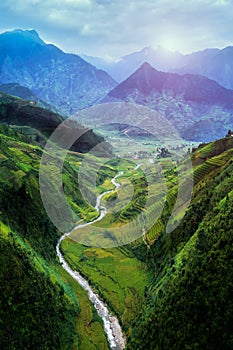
[112, 326]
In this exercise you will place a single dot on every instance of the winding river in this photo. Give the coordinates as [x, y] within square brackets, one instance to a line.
[112, 327]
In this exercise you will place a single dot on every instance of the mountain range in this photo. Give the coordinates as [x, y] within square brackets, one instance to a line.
[200, 108]
[213, 63]
[121, 69]
[62, 80]
[175, 85]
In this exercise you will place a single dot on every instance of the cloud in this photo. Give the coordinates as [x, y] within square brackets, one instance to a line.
[104, 27]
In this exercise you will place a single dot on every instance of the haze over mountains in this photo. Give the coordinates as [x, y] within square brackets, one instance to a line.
[196, 98]
[213, 63]
[63, 80]
[198, 107]
[160, 59]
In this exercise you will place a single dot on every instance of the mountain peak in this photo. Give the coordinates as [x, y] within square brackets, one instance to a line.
[33, 33]
[29, 35]
[29, 61]
[147, 51]
[146, 66]
[146, 80]
[145, 70]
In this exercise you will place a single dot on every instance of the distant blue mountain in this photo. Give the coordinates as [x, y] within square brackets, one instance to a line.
[63, 80]
[160, 59]
[214, 63]
[218, 66]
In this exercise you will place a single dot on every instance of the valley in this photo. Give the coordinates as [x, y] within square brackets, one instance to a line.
[133, 275]
[115, 223]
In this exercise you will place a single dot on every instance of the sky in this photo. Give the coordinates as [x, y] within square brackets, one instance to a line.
[113, 28]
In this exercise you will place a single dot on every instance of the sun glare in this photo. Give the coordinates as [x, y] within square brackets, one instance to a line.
[170, 44]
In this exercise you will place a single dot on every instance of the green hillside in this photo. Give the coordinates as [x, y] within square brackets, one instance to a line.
[190, 267]
[189, 303]
[169, 291]
[41, 307]
[39, 123]
[36, 310]
[19, 91]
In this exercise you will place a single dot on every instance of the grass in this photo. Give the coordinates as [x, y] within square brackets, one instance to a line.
[201, 171]
[106, 186]
[119, 279]
[155, 231]
[117, 276]
[20, 163]
[89, 325]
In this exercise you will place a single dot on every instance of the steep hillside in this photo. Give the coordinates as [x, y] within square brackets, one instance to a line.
[39, 123]
[41, 307]
[189, 304]
[62, 80]
[36, 311]
[19, 112]
[218, 66]
[17, 90]
[190, 102]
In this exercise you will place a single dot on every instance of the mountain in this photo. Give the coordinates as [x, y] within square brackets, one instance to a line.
[160, 59]
[218, 66]
[212, 63]
[185, 100]
[98, 62]
[193, 63]
[62, 80]
[147, 80]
